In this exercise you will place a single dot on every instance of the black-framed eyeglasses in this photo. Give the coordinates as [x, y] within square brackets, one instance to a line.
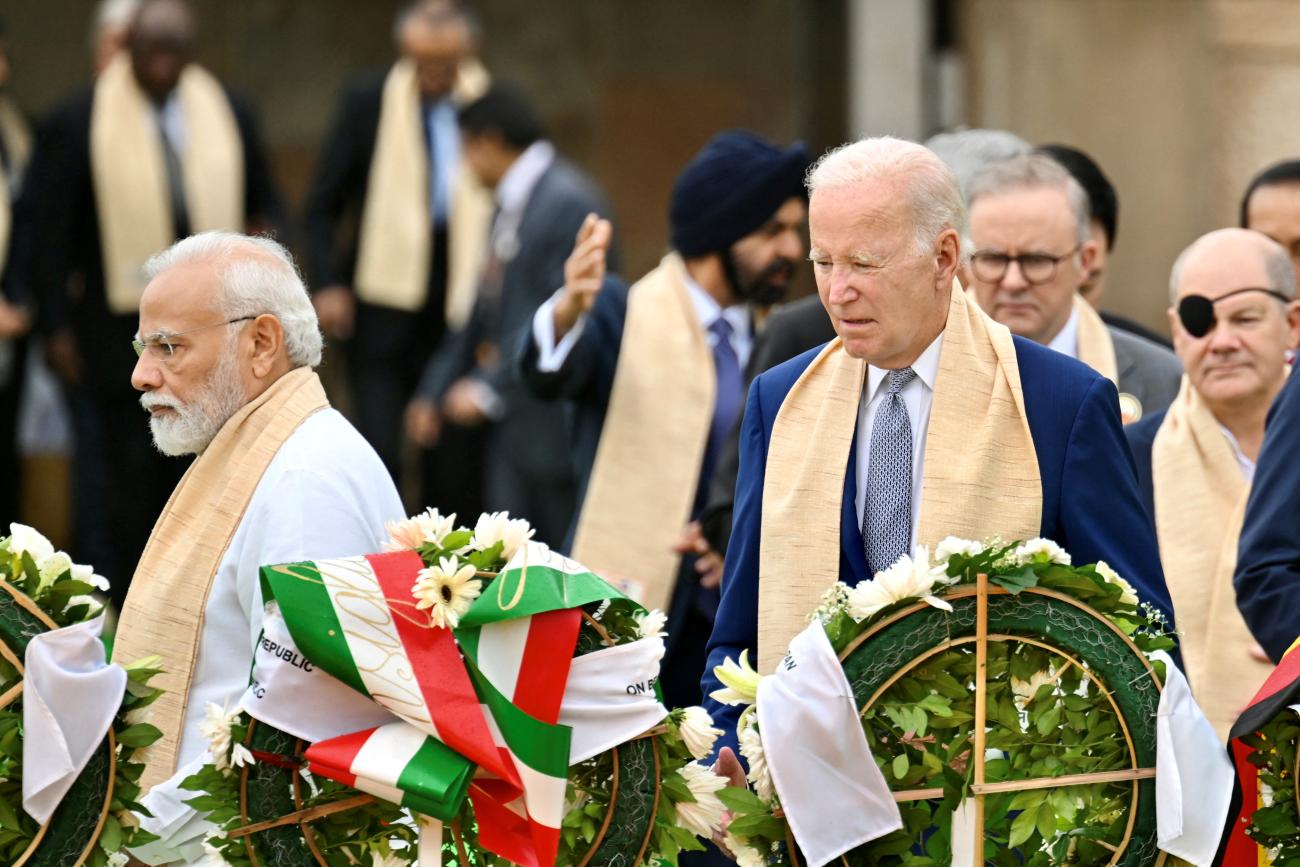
[163, 342]
[990, 266]
[1196, 312]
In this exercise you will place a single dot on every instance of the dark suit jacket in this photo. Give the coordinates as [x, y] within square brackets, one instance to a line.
[535, 436]
[68, 270]
[1147, 370]
[1141, 437]
[1090, 499]
[1268, 556]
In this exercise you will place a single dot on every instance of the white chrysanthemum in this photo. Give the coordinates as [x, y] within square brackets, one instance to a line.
[499, 527]
[751, 747]
[1041, 551]
[240, 756]
[380, 859]
[446, 591]
[24, 539]
[1024, 690]
[955, 545]
[704, 816]
[428, 526]
[906, 579]
[215, 728]
[650, 624]
[118, 859]
[1128, 594]
[746, 855]
[740, 681]
[698, 732]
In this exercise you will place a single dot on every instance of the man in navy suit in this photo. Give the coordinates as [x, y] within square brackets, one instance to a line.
[888, 231]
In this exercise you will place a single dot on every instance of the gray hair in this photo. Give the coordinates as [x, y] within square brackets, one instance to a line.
[1031, 172]
[257, 276]
[969, 150]
[112, 15]
[935, 196]
[1276, 261]
[436, 13]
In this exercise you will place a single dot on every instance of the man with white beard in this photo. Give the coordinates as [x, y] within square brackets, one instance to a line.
[227, 343]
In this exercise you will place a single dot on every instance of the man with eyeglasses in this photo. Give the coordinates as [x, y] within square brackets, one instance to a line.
[1031, 228]
[226, 347]
[1234, 316]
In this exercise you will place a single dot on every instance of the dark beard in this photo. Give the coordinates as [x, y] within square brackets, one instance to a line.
[760, 290]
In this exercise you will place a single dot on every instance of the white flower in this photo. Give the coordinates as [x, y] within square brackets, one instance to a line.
[23, 538]
[1041, 551]
[954, 545]
[87, 574]
[698, 732]
[834, 601]
[118, 859]
[751, 747]
[138, 715]
[240, 756]
[704, 816]
[1128, 594]
[650, 624]
[447, 591]
[52, 566]
[1024, 690]
[417, 530]
[216, 727]
[498, 527]
[746, 855]
[212, 855]
[906, 579]
[379, 859]
[740, 681]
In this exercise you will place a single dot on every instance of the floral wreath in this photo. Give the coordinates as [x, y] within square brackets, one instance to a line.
[644, 800]
[41, 590]
[914, 726]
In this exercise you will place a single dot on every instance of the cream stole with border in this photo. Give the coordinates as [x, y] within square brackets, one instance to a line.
[1200, 499]
[1096, 349]
[981, 474]
[130, 172]
[18, 144]
[394, 250]
[165, 607]
[647, 465]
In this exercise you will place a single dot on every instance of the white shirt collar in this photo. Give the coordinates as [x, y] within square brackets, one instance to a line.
[707, 309]
[519, 180]
[926, 367]
[1244, 463]
[1066, 340]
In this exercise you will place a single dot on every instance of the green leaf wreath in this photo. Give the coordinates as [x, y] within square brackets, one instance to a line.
[1276, 825]
[37, 575]
[666, 800]
[1045, 718]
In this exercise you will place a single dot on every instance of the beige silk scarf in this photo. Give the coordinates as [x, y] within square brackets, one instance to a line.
[1200, 499]
[130, 172]
[18, 143]
[1096, 349]
[164, 608]
[981, 471]
[394, 251]
[647, 464]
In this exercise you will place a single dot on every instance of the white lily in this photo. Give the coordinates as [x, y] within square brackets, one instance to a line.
[1128, 594]
[740, 681]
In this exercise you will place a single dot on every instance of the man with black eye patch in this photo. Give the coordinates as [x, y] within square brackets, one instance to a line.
[1233, 316]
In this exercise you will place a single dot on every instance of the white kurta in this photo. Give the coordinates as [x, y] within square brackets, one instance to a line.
[325, 494]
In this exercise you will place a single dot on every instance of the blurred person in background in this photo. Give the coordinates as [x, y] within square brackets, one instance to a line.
[1033, 249]
[542, 200]
[1234, 316]
[654, 376]
[155, 150]
[109, 30]
[1271, 205]
[396, 229]
[1103, 209]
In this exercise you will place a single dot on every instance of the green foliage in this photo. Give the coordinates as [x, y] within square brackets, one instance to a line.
[1277, 826]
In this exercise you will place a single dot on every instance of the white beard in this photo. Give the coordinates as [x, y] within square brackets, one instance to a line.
[192, 426]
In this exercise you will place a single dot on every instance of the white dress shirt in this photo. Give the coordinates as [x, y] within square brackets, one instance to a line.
[551, 355]
[325, 494]
[917, 396]
[1244, 463]
[444, 155]
[1066, 340]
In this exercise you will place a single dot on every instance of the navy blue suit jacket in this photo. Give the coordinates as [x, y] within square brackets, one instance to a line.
[1268, 556]
[1090, 498]
[1141, 438]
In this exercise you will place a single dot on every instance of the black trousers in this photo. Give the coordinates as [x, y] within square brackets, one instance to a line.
[546, 501]
[11, 390]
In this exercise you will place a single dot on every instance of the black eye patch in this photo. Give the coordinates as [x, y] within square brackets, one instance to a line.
[1196, 312]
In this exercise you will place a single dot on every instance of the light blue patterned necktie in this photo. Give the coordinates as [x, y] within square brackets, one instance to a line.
[887, 509]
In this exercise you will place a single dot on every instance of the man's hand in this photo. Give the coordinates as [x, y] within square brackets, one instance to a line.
[336, 309]
[14, 321]
[728, 766]
[461, 403]
[423, 425]
[62, 356]
[584, 272]
[708, 562]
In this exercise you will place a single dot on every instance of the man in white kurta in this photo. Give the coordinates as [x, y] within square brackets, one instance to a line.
[226, 357]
